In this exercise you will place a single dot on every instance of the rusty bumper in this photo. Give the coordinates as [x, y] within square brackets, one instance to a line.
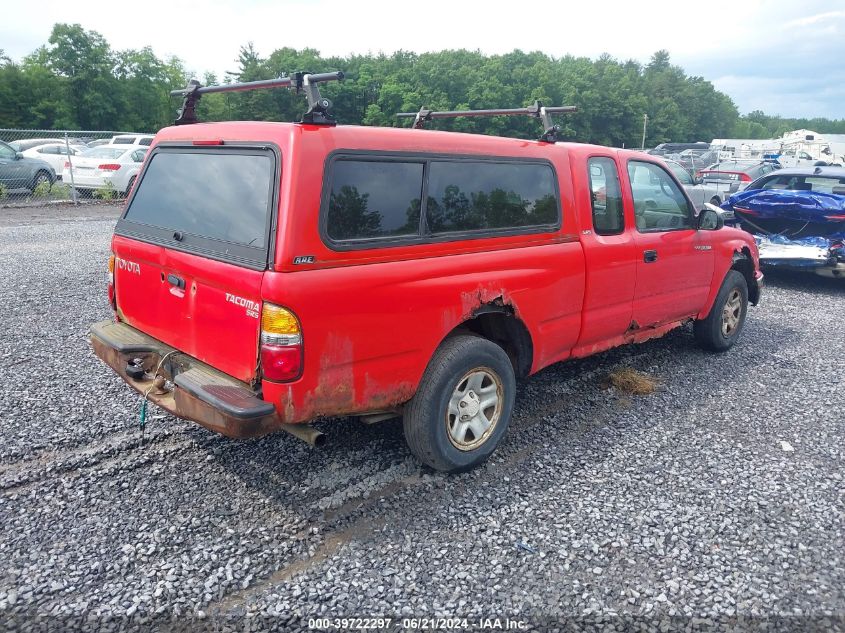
[193, 390]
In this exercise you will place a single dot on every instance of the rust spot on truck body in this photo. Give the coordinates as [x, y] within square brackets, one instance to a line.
[473, 301]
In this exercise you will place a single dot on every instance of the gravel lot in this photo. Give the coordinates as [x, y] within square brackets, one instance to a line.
[719, 498]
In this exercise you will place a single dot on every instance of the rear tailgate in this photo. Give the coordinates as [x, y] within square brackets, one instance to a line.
[191, 250]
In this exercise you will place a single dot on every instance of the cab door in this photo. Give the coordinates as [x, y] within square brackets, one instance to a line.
[674, 259]
[609, 252]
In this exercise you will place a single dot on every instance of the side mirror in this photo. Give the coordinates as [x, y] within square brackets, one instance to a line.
[698, 180]
[710, 220]
[18, 155]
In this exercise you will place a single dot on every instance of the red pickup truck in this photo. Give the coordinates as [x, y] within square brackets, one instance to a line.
[265, 275]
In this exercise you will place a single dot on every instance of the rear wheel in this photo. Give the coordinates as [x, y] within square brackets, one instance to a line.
[720, 329]
[463, 406]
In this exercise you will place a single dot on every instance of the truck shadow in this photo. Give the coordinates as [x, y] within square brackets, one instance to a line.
[364, 484]
[562, 408]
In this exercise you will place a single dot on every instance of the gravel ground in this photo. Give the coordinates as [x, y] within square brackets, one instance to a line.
[716, 501]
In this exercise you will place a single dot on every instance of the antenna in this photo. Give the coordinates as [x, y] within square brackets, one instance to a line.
[318, 106]
[537, 110]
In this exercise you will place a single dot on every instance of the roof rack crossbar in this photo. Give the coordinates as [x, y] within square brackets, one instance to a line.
[318, 106]
[537, 110]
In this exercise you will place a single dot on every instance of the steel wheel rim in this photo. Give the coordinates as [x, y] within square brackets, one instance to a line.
[732, 313]
[474, 408]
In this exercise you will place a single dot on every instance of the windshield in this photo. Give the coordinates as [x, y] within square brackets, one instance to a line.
[734, 166]
[793, 182]
[680, 173]
[105, 152]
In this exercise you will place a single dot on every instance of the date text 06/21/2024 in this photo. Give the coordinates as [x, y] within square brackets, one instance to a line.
[417, 624]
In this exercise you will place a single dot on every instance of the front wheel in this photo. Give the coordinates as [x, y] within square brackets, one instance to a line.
[720, 329]
[40, 178]
[715, 201]
[463, 405]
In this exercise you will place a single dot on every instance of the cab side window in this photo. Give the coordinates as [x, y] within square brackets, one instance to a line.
[606, 196]
[659, 204]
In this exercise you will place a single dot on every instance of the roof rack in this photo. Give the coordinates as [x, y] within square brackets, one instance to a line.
[318, 107]
[537, 110]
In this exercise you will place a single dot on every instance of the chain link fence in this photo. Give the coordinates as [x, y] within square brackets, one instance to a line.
[43, 166]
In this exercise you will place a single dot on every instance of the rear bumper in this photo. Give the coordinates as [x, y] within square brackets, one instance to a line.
[819, 259]
[193, 391]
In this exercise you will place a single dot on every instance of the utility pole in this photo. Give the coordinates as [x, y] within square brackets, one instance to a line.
[645, 123]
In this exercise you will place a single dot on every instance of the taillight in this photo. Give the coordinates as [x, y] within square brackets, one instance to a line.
[67, 164]
[112, 297]
[108, 167]
[281, 344]
[745, 178]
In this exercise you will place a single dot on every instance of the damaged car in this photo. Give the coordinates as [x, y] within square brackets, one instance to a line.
[797, 217]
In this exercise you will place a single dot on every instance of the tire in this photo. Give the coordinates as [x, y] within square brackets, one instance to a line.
[461, 366]
[40, 177]
[129, 187]
[715, 201]
[720, 329]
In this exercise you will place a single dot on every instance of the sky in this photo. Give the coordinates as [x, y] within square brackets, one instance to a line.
[783, 57]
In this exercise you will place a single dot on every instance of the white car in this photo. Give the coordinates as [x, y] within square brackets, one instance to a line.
[54, 153]
[96, 168]
[144, 140]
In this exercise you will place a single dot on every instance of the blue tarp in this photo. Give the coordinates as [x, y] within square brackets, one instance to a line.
[806, 206]
[821, 242]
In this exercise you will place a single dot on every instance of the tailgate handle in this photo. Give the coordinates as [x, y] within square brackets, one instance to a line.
[649, 257]
[173, 280]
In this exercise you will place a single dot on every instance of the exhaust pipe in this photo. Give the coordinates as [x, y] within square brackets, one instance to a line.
[306, 433]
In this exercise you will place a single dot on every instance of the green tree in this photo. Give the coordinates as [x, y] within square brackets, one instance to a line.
[85, 60]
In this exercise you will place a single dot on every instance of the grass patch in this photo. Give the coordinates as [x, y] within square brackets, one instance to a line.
[630, 380]
[106, 192]
[61, 192]
[42, 189]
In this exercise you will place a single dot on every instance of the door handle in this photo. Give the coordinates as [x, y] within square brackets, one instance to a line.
[173, 280]
[649, 257]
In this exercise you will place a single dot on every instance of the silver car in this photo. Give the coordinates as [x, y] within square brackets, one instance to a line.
[19, 172]
[699, 192]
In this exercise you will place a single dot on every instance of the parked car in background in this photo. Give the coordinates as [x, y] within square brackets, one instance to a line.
[699, 192]
[734, 175]
[132, 139]
[108, 164]
[24, 144]
[800, 158]
[694, 160]
[673, 148]
[55, 154]
[797, 217]
[98, 142]
[20, 172]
